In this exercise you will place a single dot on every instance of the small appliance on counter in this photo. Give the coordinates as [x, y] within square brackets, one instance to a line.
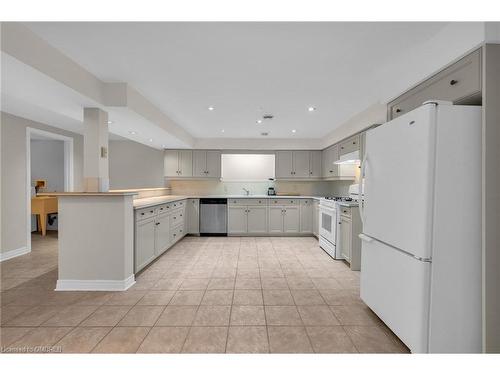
[271, 191]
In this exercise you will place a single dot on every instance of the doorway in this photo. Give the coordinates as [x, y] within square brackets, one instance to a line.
[49, 159]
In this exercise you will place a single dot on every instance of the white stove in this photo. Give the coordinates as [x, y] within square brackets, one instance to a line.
[329, 214]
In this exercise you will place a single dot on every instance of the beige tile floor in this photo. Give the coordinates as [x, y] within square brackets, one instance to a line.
[204, 295]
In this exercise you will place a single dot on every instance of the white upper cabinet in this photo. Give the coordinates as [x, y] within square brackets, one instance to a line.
[178, 163]
[315, 164]
[206, 164]
[284, 164]
[330, 156]
[301, 164]
[298, 164]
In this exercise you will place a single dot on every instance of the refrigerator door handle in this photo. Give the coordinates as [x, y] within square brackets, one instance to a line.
[361, 189]
[365, 238]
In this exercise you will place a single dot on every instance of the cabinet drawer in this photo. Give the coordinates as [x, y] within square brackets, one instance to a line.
[345, 211]
[306, 202]
[349, 145]
[177, 217]
[145, 213]
[177, 204]
[455, 83]
[247, 201]
[283, 202]
[176, 233]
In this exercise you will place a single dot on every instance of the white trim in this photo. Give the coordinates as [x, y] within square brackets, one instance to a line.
[95, 285]
[14, 253]
[68, 171]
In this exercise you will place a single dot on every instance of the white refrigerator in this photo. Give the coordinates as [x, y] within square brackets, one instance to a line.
[421, 248]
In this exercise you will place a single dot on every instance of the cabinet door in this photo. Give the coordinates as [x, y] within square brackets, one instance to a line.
[276, 219]
[316, 218]
[291, 219]
[193, 216]
[284, 164]
[237, 219]
[306, 216]
[162, 234]
[171, 163]
[345, 238]
[144, 242]
[349, 145]
[257, 219]
[199, 163]
[315, 164]
[330, 155]
[185, 163]
[213, 164]
[301, 164]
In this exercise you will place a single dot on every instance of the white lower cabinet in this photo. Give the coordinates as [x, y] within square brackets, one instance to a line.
[306, 216]
[257, 220]
[247, 219]
[237, 219]
[162, 234]
[284, 219]
[345, 238]
[193, 216]
[316, 218]
[156, 229]
[276, 219]
[144, 242]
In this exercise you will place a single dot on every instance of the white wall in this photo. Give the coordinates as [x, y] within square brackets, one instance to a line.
[47, 163]
[14, 184]
[133, 165]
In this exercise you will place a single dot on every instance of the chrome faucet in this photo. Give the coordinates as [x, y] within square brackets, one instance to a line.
[247, 192]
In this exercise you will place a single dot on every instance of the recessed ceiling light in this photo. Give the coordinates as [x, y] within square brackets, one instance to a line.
[150, 139]
[311, 109]
[222, 131]
[110, 122]
[164, 146]
[211, 108]
[294, 131]
[132, 132]
[259, 121]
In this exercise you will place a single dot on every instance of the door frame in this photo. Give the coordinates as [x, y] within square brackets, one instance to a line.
[68, 170]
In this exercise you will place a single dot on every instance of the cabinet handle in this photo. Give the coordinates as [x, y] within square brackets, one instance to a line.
[157, 223]
[142, 213]
[340, 222]
[175, 218]
[180, 215]
[354, 142]
[150, 212]
[398, 110]
[331, 171]
[453, 82]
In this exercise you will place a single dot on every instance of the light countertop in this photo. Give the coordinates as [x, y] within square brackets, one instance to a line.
[153, 201]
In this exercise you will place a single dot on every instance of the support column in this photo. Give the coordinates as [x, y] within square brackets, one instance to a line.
[95, 150]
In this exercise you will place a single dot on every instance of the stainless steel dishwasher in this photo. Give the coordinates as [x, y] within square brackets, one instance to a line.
[213, 217]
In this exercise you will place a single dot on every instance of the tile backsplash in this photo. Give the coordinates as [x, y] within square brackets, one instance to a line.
[216, 187]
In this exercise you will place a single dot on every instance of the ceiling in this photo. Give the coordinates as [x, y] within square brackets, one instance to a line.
[243, 70]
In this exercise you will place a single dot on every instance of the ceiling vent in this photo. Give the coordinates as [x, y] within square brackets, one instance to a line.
[264, 134]
[267, 117]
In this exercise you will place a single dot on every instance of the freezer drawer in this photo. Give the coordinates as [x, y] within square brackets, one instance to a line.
[395, 286]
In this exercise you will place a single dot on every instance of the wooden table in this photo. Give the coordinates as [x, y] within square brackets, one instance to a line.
[42, 206]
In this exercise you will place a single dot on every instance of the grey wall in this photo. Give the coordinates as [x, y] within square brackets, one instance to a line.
[133, 165]
[13, 163]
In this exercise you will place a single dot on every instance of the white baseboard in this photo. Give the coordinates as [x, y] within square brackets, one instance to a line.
[95, 285]
[14, 253]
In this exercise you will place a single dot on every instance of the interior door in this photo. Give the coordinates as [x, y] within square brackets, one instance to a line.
[199, 163]
[301, 164]
[186, 163]
[399, 167]
[395, 286]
